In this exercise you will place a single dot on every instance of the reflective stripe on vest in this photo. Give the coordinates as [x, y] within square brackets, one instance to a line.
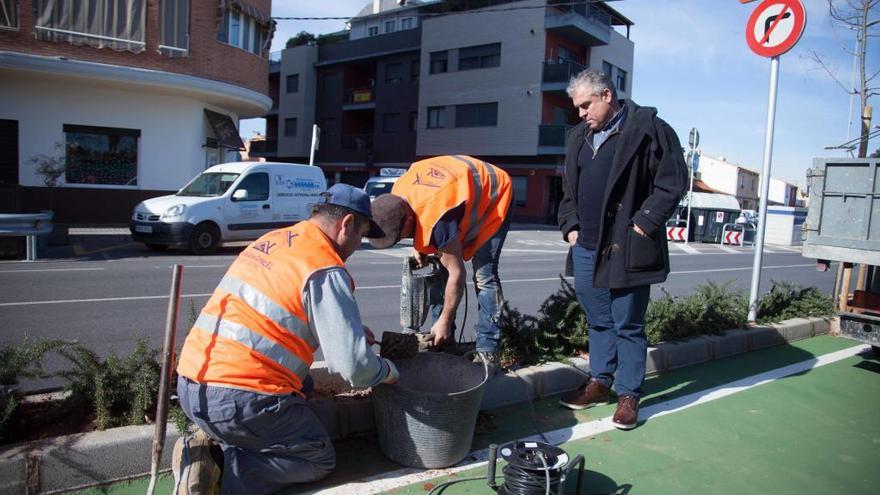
[474, 222]
[266, 306]
[254, 341]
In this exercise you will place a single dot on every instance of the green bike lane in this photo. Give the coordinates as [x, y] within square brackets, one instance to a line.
[729, 426]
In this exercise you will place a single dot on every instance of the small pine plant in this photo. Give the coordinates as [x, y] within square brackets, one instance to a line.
[786, 300]
[17, 361]
[120, 390]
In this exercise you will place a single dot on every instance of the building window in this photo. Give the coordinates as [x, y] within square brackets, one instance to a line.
[436, 117]
[413, 120]
[290, 127]
[414, 68]
[174, 27]
[479, 57]
[8, 14]
[257, 187]
[101, 155]
[438, 62]
[293, 83]
[244, 31]
[372, 30]
[476, 115]
[621, 79]
[116, 24]
[389, 26]
[393, 73]
[520, 190]
[406, 23]
[607, 68]
[391, 122]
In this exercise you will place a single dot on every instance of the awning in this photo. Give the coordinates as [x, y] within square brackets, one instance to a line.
[224, 130]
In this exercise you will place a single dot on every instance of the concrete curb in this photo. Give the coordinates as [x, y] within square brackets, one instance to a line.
[89, 459]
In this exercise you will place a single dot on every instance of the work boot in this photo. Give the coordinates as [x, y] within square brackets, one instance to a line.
[626, 417]
[196, 472]
[492, 359]
[590, 394]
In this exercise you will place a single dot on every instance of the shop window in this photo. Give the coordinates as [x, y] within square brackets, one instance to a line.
[101, 155]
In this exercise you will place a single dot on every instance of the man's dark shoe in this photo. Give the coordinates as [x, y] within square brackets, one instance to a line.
[626, 417]
[589, 395]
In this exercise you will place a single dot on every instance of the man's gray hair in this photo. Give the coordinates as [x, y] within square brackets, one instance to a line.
[594, 81]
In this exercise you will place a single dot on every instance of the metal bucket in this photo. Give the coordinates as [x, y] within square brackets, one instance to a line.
[427, 419]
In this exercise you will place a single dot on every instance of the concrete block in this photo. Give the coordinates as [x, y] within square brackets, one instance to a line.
[730, 343]
[13, 470]
[556, 378]
[763, 337]
[823, 326]
[656, 361]
[685, 352]
[795, 329]
[88, 459]
[509, 389]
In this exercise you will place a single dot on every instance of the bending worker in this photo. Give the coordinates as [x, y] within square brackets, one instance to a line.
[244, 368]
[457, 207]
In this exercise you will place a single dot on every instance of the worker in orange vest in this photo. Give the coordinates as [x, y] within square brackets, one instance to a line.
[244, 368]
[458, 208]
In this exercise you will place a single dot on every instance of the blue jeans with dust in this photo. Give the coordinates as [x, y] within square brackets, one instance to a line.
[487, 285]
[618, 345]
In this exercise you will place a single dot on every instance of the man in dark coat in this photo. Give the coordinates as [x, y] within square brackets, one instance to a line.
[624, 176]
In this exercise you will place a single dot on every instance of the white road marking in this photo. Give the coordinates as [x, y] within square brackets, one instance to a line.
[684, 247]
[53, 270]
[407, 476]
[728, 249]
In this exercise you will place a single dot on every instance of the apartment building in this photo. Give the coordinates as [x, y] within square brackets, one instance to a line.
[730, 178]
[484, 78]
[134, 96]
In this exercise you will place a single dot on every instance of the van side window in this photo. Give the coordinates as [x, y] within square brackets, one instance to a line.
[257, 186]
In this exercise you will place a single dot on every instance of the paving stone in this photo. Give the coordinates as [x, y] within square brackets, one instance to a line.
[730, 343]
[685, 352]
[12, 471]
[763, 337]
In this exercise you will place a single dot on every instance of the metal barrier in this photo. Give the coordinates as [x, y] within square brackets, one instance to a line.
[735, 233]
[677, 230]
[26, 224]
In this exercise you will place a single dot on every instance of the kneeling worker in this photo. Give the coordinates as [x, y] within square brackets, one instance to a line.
[244, 368]
[458, 208]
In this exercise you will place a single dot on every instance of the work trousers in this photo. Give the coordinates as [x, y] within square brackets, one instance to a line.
[487, 285]
[269, 441]
[618, 345]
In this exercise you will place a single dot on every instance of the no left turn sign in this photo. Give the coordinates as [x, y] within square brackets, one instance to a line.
[775, 26]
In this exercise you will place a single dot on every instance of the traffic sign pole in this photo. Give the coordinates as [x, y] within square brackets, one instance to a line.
[765, 190]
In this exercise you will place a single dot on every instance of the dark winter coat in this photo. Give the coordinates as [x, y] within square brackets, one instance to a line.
[648, 177]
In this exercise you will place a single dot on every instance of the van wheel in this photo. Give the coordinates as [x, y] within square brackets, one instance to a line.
[157, 247]
[204, 239]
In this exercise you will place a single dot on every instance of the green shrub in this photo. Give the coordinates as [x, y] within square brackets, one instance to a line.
[711, 308]
[786, 300]
[120, 390]
[17, 361]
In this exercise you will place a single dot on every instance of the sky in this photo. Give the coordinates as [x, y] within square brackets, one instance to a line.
[693, 64]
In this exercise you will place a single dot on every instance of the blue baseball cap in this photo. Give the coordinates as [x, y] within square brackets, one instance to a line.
[354, 199]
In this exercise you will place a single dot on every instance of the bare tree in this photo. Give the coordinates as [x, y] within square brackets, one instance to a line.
[861, 16]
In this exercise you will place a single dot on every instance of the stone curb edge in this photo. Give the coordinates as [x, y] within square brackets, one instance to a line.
[89, 459]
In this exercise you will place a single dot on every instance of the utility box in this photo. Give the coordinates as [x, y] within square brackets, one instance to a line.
[785, 225]
[843, 220]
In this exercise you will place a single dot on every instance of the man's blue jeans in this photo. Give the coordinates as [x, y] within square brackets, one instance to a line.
[487, 284]
[618, 346]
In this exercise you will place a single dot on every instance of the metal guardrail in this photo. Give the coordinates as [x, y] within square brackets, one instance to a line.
[29, 225]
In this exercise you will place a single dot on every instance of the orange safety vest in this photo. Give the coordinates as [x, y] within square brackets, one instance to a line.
[434, 186]
[254, 333]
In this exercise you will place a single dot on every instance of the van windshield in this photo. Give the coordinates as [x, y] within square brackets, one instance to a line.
[376, 188]
[208, 184]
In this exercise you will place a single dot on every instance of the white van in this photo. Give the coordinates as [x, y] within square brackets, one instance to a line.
[228, 202]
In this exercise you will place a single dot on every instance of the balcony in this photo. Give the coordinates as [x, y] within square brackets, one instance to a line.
[266, 148]
[556, 75]
[360, 99]
[584, 24]
[551, 139]
[357, 142]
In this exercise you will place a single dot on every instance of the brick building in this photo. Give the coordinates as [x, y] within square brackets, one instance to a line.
[137, 97]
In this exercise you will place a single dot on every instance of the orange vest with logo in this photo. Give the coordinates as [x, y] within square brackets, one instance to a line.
[434, 186]
[253, 333]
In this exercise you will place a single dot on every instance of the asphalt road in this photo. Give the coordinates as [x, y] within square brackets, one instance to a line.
[105, 293]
